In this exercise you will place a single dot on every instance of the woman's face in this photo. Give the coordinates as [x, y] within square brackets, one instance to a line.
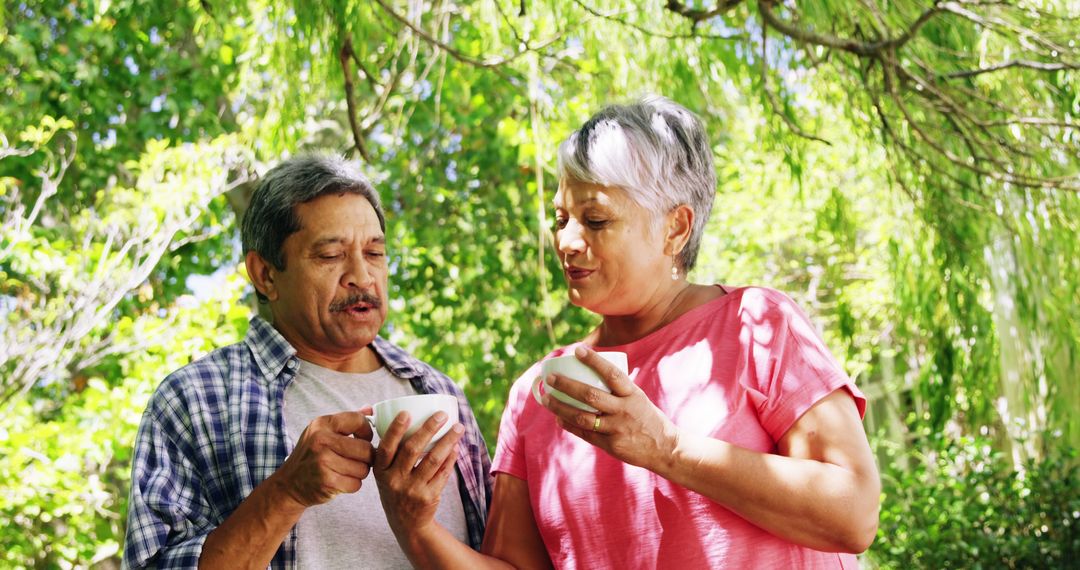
[611, 249]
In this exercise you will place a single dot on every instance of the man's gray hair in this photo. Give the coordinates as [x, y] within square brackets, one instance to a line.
[272, 217]
[657, 151]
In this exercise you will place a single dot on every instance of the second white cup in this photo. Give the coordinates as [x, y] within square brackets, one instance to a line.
[420, 408]
[570, 367]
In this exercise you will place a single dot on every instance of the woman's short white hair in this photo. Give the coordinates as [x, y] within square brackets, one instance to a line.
[656, 150]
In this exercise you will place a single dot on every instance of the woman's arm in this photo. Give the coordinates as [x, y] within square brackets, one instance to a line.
[822, 491]
[511, 531]
[410, 489]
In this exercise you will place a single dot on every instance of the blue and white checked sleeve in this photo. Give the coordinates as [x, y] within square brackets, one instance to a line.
[168, 516]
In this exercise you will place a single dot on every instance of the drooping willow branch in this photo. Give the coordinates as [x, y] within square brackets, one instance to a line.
[618, 19]
[346, 54]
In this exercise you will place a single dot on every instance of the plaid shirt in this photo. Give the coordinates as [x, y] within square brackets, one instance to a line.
[215, 429]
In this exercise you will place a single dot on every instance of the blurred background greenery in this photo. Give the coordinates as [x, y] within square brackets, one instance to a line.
[907, 171]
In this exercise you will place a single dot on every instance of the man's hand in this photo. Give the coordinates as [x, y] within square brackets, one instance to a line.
[333, 456]
[410, 481]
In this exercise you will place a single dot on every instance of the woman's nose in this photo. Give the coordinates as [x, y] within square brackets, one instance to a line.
[570, 239]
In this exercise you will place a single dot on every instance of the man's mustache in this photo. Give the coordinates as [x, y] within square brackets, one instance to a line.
[355, 299]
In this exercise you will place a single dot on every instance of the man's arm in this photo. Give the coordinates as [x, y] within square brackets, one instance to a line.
[158, 503]
[252, 534]
[332, 457]
[410, 485]
[171, 526]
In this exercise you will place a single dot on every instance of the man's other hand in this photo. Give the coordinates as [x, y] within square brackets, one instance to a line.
[333, 456]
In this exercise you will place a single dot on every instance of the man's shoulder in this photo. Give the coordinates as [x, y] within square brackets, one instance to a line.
[404, 364]
[215, 363]
[205, 376]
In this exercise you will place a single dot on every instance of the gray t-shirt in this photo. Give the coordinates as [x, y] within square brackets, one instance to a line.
[351, 530]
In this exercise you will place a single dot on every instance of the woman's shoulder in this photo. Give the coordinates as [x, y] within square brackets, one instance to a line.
[761, 303]
[760, 294]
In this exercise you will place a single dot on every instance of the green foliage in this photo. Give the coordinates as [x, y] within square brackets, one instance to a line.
[963, 504]
[65, 462]
[124, 71]
[65, 478]
[951, 296]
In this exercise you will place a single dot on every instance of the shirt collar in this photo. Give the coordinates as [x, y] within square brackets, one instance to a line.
[273, 353]
[400, 363]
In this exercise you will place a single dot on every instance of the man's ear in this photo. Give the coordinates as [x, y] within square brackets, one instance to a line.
[261, 274]
[680, 222]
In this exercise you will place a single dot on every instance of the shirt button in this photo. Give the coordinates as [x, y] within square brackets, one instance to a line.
[291, 364]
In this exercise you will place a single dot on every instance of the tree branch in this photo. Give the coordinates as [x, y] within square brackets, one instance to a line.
[777, 108]
[370, 77]
[1040, 121]
[872, 49]
[972, 166]
[1025, 63]
[125, 258]
[614, 17]
[7, 150]
[991, 22]
[344, 55]
[698, 15]
[953, 110]
[492, 64]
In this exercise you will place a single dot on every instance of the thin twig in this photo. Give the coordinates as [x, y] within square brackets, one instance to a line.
[698, 15]
[492, 64]
[344, 55]
[370, 77]
[777, 108]
[1028, 64]
[663, 35]
[845, 44]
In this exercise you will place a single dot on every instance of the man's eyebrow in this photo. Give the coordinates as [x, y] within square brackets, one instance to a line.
[335, 240]
[332, 240]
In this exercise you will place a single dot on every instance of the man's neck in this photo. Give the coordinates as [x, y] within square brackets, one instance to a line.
[362, 361]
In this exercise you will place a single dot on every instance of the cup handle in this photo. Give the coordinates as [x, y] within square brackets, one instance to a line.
[371, 421]
[536, 388]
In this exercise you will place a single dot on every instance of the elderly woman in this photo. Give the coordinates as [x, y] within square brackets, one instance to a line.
[736, 439]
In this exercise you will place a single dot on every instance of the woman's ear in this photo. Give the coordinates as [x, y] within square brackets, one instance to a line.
[680, 222]
[261, 274]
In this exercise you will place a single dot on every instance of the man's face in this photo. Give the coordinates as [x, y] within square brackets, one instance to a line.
[330, 301]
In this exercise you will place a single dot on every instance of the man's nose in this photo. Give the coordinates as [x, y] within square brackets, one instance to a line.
[359, 273]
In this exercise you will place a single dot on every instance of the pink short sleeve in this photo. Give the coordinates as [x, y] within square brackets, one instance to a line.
[508, 457]
[794, 369]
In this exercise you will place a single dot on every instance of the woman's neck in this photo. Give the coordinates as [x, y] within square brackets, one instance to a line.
[683, 296]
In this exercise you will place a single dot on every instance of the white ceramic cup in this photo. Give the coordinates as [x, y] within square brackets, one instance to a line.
[570, 367]
[420, 408]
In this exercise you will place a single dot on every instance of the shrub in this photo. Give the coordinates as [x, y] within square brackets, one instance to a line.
[963, 504]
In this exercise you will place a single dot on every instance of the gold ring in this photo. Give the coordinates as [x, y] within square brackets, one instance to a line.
[596, 424]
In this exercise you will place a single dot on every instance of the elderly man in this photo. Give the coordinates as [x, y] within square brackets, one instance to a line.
[255, 454]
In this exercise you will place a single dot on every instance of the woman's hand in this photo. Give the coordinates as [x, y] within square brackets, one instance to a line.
[627, 426]
[411, 482]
